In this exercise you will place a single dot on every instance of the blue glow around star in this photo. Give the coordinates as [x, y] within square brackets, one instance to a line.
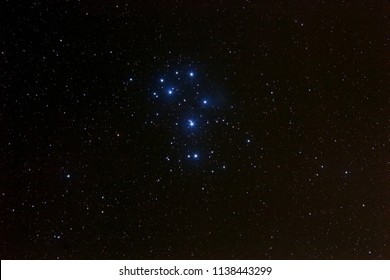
[191, 123]
[193, 156]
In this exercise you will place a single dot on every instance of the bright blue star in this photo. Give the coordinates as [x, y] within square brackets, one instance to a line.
[191, 74]
[205, 102]
[170, 91]
[191, 123]
[161, 80]
[195, 155]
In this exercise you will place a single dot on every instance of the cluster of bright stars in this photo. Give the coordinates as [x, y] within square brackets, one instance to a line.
[170, 91]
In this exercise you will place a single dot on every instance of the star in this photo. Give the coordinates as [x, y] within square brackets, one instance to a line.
[191, 123]
[205, 102]
[161, 80]
[191, 74]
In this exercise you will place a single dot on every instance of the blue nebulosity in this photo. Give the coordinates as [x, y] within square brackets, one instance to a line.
[186, 92]
[187, 104]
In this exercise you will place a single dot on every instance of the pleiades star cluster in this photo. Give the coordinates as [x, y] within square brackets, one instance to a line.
[194, 130]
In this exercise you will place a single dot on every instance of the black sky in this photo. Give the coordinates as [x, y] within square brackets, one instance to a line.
[288, 157]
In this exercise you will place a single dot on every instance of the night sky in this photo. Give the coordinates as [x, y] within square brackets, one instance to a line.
[194, 130]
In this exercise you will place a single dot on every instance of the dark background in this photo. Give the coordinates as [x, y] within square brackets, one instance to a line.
[293, 147]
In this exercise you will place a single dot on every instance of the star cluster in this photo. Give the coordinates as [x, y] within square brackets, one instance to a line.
[192, 113]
